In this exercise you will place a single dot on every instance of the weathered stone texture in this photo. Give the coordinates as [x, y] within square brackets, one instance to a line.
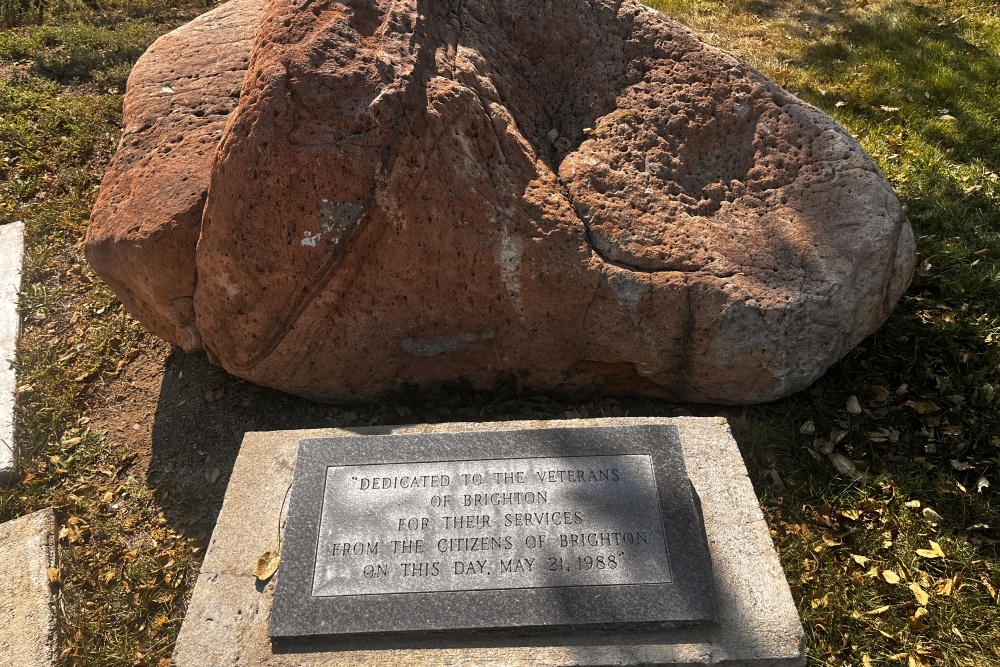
[27, 600]
[584, 194]
[145, 225]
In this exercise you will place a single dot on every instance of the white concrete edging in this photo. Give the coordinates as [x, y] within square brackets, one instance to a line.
[11, 259]
[27, 598]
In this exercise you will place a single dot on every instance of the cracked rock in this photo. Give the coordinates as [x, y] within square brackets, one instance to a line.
[387, 203]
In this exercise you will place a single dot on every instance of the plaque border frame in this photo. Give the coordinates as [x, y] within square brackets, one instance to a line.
[687, 600]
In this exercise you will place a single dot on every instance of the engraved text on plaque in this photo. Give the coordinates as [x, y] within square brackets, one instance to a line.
[490, 524]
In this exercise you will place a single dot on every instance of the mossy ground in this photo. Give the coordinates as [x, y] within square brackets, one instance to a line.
[132, 443]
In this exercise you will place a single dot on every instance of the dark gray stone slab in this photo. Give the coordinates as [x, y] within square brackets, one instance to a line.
[492, 531]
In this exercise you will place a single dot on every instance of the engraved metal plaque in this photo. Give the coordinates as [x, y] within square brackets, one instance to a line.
[490, 524]
[491, 532]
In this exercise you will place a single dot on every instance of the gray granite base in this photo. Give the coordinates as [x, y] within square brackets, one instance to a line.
[757, 623]
[27, 600]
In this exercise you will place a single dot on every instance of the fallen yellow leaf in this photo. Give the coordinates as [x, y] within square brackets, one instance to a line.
[934, 552]
[876, 612]
[890, 577]
[881, 393]
[915, 622]
[267, 565]
[920, 594]
[923, 407]
[860, 560]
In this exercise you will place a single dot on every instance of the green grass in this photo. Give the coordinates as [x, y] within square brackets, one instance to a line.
[60, 119]
[80, 52]
[918, 82]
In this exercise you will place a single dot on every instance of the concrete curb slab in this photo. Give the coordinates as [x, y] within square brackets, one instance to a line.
[27, 599]
[11, 257]
[226, 624]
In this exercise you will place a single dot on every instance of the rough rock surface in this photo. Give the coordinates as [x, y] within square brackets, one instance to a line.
[145, 225]
[582, 193]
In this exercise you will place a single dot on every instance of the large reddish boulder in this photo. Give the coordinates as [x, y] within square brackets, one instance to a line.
[145, 225]
[581, 193]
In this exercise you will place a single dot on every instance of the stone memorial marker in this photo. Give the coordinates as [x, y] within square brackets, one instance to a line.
[726, 602]
[485, 531]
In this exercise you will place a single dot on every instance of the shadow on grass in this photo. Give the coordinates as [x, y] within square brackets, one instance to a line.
[195, 442]
[929, 95]
[922, 64]
[191, 436]
[202, 413]
[87, 47]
